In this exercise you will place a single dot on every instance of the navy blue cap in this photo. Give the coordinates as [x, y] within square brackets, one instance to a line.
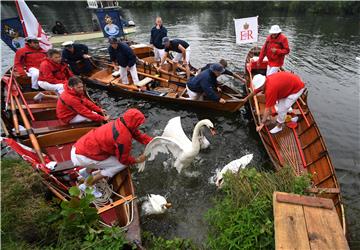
[217, 67]
[165, 40]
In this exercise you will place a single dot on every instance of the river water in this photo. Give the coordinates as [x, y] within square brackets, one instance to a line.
[323, 51]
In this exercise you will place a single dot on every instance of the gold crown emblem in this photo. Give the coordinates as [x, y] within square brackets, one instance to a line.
[246, 26]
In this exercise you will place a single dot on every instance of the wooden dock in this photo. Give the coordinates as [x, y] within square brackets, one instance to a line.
[306, 222]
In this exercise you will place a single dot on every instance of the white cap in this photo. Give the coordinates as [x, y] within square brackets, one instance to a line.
[275, 29]
[67, 43]
[258, 81]
[32, 38]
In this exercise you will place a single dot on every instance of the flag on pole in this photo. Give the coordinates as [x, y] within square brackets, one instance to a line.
[30, 24]
[246, 30]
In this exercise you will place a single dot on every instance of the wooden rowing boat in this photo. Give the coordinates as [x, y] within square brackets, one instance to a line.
[119, 209]
[160, 87]
[47, 142]
[303, 147]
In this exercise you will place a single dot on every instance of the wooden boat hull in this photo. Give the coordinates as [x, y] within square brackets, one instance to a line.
[122, 211]
[229, 106]
[317, 159]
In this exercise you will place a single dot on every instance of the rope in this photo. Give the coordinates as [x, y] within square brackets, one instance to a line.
[107, 191]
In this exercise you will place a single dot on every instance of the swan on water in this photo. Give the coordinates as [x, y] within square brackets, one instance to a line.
[174, 141]
[233, 167]
[154, 204]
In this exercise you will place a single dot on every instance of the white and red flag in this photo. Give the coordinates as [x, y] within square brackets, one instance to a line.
[30, 24]
[246, 30]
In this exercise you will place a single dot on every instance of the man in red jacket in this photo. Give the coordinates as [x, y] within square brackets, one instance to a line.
[275, 49]
[284, 88]
[74, 107]
[109, 147]
[27, 60]
[54, 73]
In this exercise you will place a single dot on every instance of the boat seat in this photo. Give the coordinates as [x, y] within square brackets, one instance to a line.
[62, 166]
[154, 92]
[144, 81]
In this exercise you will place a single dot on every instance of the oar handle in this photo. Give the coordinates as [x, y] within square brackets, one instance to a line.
[30, 131]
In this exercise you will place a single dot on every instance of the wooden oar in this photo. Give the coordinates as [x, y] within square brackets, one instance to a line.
[9, 86]
[30, 131]
[23, 99]
[4, 128]
[14, 115]
[303, 114]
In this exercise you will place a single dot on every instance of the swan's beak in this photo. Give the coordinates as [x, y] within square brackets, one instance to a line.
[168, 205]
[213, 131]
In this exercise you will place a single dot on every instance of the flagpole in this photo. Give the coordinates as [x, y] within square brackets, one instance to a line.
[21, 18]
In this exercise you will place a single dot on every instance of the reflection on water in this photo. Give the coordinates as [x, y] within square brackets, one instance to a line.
[323, 51]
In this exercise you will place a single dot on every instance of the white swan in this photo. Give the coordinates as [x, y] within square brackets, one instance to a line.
[154, 204]
[233, 167]
[174, 141]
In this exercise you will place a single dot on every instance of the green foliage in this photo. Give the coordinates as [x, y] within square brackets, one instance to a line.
[152, 242]
[24, 209]
[78, 213]
[243, 218]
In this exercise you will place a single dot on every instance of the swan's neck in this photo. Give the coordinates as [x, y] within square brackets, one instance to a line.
[196, 135]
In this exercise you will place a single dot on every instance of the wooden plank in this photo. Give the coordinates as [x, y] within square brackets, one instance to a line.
[305, 200]
[323, 190]
[290, 226]
[324, 229]
[41, 105]
[115, 204]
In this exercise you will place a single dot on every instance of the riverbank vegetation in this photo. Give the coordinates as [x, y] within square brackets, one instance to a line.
[290, 7]
[242, 217]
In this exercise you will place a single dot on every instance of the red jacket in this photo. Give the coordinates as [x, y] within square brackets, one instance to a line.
[114, 139]
[71, 103]
[54, 73]
[28, 57]
[280, 43]
[279, 86]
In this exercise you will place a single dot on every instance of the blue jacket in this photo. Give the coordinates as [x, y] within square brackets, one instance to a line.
[205, 82]
[123, 55]
[79, 51]
[157, 36]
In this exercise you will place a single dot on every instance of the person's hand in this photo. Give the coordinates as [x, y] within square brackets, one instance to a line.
[85, 56]
[273, 50]
[219, 89]
[141, 158]
[258, 128]
[116, 68]
[222, 101]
